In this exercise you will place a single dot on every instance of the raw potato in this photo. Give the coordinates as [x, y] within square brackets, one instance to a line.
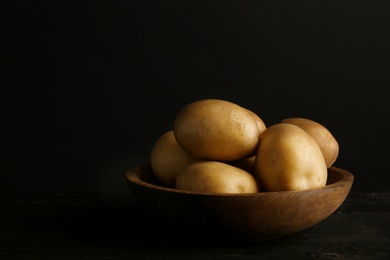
[247, 164]
[260, 123]
[328, 144]
[216, 177]
[289, 159]
[168, 159]
[216, 129]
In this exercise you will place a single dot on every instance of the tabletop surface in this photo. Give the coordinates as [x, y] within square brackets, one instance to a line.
[113, 226]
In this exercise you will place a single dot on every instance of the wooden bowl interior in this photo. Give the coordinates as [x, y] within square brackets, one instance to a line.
[143, 175]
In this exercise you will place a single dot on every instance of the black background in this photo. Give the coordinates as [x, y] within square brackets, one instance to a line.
[90, 85]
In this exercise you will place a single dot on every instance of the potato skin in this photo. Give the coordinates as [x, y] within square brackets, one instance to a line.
[247, 164]
[324, 138]
[216, 177]
[260, 123]
[289, 159]
[215, 129]
[168, 159]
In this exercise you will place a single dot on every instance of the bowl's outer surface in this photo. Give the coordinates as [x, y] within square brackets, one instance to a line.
[264, 215]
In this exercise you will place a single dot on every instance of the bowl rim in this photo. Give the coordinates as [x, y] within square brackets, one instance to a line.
[131, 176]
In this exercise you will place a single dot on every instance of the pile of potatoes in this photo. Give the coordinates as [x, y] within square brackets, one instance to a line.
[217, 146]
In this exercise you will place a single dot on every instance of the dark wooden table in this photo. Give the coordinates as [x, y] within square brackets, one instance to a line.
[112, 226]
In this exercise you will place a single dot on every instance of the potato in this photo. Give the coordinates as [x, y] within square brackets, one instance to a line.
[216, 129]
[216, 177]
[324, 138]
[260, 123]
[289, 159]
[168, 159]
[247, 164]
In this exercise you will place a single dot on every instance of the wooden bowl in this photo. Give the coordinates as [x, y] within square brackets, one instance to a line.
[255, 216]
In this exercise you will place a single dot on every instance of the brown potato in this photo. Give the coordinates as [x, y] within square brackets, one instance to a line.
[328, 144]
[216, 129]
[260, 123]
[247, 164]
[289, 159]
[216, 177]
[168, 159]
